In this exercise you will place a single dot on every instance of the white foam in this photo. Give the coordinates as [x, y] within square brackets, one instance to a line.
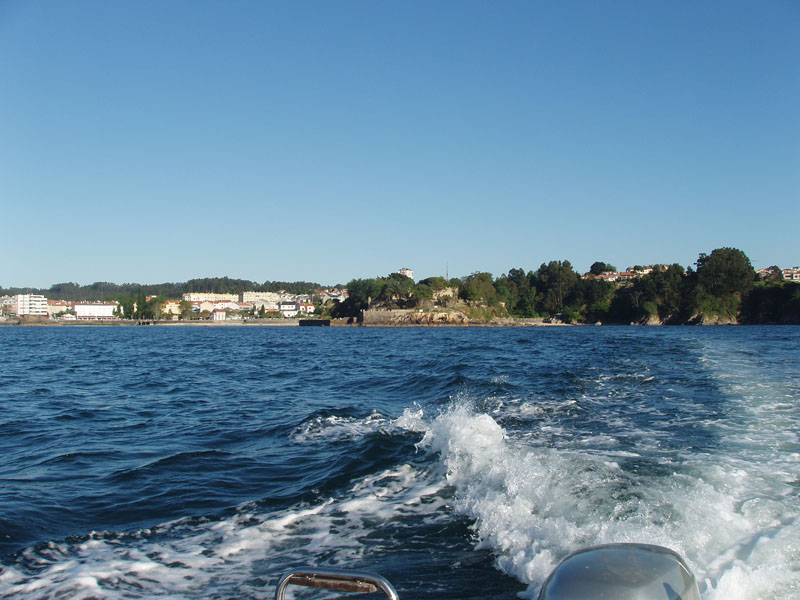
[532, 505]
[191, 557]
[334, 428]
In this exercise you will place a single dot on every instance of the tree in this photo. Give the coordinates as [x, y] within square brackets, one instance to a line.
[479, 288]
[396, 290]
[517, 292]
[774, 274]
[668, 286]
[185, 308]
[361, 294]
[437, 284]
[555, 281]
[422, 293]
[599, 267]
[724, 272]
[772, 302]
[593, 299]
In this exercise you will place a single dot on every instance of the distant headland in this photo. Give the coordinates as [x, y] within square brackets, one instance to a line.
[723, 288]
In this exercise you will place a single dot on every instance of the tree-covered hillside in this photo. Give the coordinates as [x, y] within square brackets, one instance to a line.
[722, 288]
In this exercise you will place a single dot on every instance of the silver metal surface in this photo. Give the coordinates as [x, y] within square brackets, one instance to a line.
[340, 580]
[621, 572]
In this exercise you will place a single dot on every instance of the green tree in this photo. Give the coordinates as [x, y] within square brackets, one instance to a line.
[517, 291]
[772, 302]
[599, 267]
[725, 271]
[592, 299]
[774, 274]
[437, 284]
[479, 288]
[555, 280]
[668, 291]
[186, 309]
[422, 293]
[396, 290]
[361, 294]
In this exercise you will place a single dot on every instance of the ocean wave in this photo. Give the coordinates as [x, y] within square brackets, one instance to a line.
[533, 505]
[339, 426]
[241, 555]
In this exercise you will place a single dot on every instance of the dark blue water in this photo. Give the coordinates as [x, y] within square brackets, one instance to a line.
[459, 463]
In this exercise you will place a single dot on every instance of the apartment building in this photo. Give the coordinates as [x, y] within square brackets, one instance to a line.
[31, 304]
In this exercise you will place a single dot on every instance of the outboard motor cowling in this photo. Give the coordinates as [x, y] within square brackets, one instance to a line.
[621, 572]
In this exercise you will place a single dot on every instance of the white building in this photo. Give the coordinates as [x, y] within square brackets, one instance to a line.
[234, 305]
[267, 305]
[792, 274]
[210, 297]
[407, 272]
[31, 304]
[171, 308]
[253, 297]
[57, 307]
[95, 311]
[8, 305]
[289, 309]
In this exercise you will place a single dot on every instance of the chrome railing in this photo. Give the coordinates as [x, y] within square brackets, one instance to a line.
[339, 580]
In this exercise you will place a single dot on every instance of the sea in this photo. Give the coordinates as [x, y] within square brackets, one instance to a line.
[459, 463]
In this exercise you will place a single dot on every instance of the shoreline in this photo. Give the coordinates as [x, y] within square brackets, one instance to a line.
[342, 322]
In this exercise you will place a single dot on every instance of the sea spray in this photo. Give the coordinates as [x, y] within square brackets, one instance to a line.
[533, 505]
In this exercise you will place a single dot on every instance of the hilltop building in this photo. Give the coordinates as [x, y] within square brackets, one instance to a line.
[407, 272]
[792, 274]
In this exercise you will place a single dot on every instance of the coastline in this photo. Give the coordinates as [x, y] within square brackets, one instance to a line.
[344, 322]
[348, 322]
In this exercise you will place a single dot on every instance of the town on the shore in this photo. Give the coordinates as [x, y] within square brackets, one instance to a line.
[722, 289]
[193, 305]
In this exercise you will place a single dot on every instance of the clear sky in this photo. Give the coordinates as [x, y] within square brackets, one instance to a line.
[155, 141]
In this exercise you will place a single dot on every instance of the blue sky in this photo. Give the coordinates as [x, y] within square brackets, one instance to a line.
[324, 141]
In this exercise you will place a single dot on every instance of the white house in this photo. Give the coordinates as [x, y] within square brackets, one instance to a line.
[56, 307]
[289, 309]
[267, 305]
[407, 272]
[792, 274]
[226, 306]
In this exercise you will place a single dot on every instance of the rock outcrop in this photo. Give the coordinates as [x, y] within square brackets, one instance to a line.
[412, 317]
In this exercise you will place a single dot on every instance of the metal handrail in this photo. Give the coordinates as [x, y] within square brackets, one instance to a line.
[340, 580]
